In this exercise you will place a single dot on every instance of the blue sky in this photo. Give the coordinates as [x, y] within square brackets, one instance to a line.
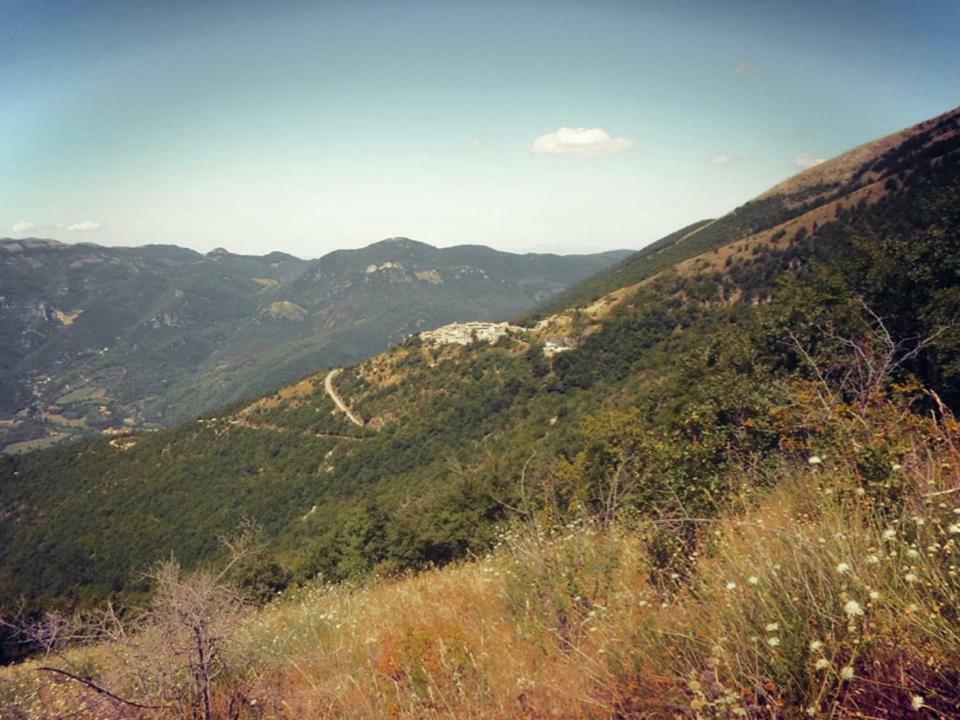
[306, 127]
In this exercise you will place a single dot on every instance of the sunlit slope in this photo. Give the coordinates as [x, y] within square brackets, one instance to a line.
[688, 364]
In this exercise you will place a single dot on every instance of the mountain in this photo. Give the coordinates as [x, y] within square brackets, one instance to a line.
[861, 177]
[682, 377]
[103, 339]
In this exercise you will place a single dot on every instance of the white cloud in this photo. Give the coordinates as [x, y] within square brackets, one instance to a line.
[580, 141]
[21, 226]
[729, 158]
[84, 226]
[806, 160]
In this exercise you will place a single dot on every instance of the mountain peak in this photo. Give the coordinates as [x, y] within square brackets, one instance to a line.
[403, 242]
[31, 243]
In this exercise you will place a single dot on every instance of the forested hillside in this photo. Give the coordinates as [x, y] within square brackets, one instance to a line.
[682, 374]
[104, 340]
[724, 488]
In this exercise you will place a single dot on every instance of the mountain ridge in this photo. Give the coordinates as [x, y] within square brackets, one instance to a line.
[86, 327]
[682, 372]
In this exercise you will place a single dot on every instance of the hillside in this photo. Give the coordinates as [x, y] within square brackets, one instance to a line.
[790, 387]
[98, 339]
[861, 177]
[686, 367]
[822, 596]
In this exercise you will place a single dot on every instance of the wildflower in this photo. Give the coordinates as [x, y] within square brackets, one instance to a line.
[847, 673]
[910, 577]
[773, 627]
[917, 702]
[843, 568]
[889, 534]
[731, 586]
[852, 608]
[954, 529]
[815, 645]
[821, 664]
[814, 460]
[753, 580]
[873, 560]
[912, 553]
[874, 595]
[896, 467]
[773, 641]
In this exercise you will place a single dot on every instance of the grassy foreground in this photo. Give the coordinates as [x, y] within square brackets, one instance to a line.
[828, 594]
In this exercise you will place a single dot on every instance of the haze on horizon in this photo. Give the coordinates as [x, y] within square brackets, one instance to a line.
[560, 127]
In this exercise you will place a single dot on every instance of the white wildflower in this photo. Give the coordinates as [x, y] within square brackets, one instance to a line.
[874, 595]
[873, 560]
[954, 529]
[889, 534]
[814, 460]
[815, 645]
[917, 702]
[753, 580]
[731, 586]
[910, 577]
[822, 664]
[773, 627]
[773, 642]
[896, 467]
[852, 608]
[847, 673]
[843, 568]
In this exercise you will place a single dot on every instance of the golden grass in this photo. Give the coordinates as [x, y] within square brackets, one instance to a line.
[824, 597]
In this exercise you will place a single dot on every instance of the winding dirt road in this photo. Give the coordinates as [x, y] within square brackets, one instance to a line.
[335, 396]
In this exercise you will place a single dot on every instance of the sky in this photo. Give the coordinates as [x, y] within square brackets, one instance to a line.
[526, 126]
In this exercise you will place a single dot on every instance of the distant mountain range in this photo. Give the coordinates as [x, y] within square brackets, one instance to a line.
[677, 374]
[102, 339]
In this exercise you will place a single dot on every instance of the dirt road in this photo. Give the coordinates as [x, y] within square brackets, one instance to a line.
[335, 396]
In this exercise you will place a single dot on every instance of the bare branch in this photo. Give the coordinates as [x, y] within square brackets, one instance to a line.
[88, 682]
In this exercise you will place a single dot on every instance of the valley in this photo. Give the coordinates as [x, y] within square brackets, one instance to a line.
[100, 340]
[721, 433]
[646, 407]
[449, 416]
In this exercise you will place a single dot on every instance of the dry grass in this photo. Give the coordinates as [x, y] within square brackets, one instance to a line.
[827, 596]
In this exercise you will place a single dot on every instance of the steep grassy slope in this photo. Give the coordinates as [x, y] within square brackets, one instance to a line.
[95, 338]
[824, 596]
[672, 383]
[861, 176]
[631, 270]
